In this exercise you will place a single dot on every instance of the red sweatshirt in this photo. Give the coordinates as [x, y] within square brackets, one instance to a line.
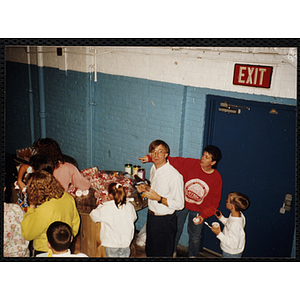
[202, 191]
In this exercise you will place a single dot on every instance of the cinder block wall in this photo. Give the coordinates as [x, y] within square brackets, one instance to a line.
[129, 113]
[66, 98]
[17, 110]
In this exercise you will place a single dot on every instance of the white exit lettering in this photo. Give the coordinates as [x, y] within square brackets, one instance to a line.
[250, 72]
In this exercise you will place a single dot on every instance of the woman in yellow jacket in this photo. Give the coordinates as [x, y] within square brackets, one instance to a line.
[48, 202]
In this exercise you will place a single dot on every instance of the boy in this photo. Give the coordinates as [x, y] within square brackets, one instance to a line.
[233, 236]
[60, 237]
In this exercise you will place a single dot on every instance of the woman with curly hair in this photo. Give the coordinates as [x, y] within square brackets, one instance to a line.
[65, 172]
[48, 202]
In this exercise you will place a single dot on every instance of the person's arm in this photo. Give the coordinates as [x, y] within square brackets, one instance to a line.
[223, 219]
[96, 214]
[177, 162]
[22, 171]
[133, 213]
[175, 199]
[146, 158]
[177, 189]
[151, 194]
[78, 180]
[213, 200]
[75, 221]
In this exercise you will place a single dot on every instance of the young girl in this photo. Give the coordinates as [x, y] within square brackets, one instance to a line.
[117, 219]
[233, 236]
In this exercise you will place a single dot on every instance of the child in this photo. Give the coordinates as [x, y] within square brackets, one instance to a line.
[59, 235]
[36, 162]
[117, 222]
[233, 236]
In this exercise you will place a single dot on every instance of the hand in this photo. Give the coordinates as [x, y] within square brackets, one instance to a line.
[144, 159]
[21, 185]
[215, 230]
[142, 188]
[199, 221]
[151, 194]
[220, 214]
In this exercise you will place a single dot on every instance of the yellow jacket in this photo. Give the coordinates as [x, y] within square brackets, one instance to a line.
[37, 220]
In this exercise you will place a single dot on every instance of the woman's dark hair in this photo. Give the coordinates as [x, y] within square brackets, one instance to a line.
[215, 153]
[41, 162]
[50, 148]
[59, 235]
[117, 190]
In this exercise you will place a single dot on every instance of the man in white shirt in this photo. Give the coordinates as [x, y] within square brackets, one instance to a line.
[164, 198]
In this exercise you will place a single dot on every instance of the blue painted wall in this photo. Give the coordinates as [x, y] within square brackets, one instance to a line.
[112, 121]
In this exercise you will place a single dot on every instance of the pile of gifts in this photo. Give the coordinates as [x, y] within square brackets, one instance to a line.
[100, 181]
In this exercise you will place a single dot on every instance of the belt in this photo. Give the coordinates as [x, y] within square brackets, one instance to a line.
[156, 214]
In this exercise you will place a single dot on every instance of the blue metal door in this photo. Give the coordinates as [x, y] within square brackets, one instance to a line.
[258, 147]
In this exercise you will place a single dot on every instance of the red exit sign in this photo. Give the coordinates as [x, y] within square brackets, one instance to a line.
[258, 76]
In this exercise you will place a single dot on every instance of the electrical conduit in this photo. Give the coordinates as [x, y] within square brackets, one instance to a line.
[42, 113]
[31, 108]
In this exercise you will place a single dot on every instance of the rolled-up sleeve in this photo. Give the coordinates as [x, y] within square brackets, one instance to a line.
[168, 183]
[176, 198]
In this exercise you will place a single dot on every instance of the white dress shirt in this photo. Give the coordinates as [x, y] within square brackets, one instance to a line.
[168, 183]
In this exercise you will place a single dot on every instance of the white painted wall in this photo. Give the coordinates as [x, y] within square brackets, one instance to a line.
[208, 67]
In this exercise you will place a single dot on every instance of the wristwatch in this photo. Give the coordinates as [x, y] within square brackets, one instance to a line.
[160, 201]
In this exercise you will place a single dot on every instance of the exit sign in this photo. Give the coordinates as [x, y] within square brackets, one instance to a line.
[250, 75]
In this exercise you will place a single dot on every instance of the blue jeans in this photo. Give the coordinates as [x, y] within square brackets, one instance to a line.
[194, 231]
[117, 252]
[228, 255]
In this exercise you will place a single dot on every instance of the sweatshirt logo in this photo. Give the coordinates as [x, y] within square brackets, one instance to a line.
[195, 191]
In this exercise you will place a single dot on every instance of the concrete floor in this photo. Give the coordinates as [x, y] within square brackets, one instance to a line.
[138, 251]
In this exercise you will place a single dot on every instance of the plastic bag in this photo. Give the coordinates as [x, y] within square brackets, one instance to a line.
[141, 237]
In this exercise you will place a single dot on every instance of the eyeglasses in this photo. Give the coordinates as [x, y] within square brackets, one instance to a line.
[159, 152]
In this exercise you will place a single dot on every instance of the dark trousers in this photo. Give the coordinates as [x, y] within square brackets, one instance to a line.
[160, 235]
